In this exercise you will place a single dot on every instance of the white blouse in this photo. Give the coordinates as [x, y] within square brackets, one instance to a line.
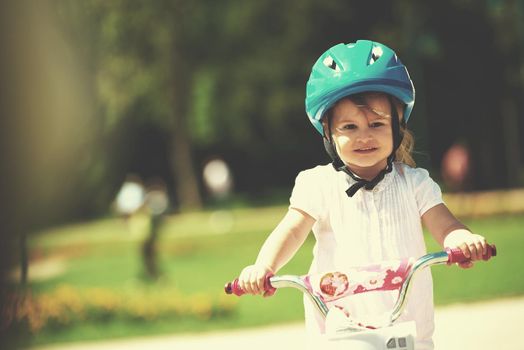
[372, 226]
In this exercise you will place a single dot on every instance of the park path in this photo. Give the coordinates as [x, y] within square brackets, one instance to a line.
[485, 325]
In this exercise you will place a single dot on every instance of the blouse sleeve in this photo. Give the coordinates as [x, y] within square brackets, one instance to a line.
[306, 195]
[427, 192]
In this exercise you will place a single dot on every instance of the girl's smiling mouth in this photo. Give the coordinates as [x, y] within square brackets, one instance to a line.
[365, 150]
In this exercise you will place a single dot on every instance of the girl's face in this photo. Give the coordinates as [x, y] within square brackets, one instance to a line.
[362, 133]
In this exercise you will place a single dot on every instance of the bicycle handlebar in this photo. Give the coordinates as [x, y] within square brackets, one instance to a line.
[454, 255]
[406, 270]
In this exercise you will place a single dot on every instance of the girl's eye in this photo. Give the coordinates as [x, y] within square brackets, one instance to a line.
[376, 124]
[349, 127]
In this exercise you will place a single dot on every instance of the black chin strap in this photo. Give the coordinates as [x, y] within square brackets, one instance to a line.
[368, 185]
[339, 165]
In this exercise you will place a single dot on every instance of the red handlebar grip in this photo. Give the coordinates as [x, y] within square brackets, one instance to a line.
[455, 255]
[234, 288]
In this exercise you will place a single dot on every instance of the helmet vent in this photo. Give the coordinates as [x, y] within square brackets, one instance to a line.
[330, 63]
[375, 54]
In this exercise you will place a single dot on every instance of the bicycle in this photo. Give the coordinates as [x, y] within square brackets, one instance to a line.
[324, 289]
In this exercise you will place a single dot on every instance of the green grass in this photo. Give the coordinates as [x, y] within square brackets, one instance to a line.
[195, 257]
[501, 277]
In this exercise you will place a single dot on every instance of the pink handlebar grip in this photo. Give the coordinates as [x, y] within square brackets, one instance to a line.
[455, 255]
[234, 288]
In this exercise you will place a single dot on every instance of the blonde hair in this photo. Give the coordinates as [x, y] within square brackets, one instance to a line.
[404, 153]
[405, 150]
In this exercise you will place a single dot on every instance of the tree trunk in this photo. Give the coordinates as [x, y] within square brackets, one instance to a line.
[188, 195]
[186, 184]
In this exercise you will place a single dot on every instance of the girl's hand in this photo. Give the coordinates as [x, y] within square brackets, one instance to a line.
[473, 246]
[252, 279]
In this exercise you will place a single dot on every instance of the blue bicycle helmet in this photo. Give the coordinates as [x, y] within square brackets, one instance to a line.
[345, 70]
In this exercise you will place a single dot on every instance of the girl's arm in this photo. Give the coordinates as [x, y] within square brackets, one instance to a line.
[277, 250]
[449, 232]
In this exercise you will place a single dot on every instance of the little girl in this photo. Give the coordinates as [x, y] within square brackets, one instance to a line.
[370, 203]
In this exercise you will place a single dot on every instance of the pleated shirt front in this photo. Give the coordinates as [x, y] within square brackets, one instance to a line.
[373, 226]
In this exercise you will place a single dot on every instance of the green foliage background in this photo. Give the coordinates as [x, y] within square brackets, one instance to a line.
[94, 90]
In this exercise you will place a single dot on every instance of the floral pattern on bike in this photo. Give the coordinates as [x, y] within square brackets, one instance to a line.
[381, 277]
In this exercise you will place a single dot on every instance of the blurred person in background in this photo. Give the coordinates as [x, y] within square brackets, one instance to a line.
[455, 167]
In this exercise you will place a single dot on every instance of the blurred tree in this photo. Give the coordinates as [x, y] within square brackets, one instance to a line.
[471, 96]
[507, 18]
[241, 67]
[179, 82]
[51, 128]
[142, 72]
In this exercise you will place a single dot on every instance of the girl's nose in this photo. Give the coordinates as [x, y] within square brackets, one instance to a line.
[364, 135]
